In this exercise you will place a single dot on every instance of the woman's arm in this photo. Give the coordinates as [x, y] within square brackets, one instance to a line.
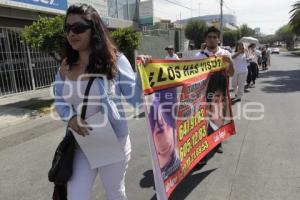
[236, 54]
[230, 67]
[64, 110]
[129, 82]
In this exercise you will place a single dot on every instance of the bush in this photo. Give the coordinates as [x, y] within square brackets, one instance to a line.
[47, 34]
[127, 40]
[230, 37]
[194, 31]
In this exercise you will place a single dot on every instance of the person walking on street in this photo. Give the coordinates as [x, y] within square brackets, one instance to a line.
[268, 57]
[264, 58]
[258, 61]
[212, 39]
[240, 73]
[171, 54]
[90, 51]
[252, 67]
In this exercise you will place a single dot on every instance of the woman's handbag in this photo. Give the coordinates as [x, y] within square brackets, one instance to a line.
[62, 164]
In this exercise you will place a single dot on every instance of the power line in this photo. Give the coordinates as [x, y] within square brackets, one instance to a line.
[179, 3]
[229, 8]
[194, 9]
[175, 3]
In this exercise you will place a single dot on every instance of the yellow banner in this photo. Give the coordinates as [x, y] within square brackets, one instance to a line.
[160, 73]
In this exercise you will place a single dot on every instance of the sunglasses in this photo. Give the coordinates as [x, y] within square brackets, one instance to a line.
[76, 28]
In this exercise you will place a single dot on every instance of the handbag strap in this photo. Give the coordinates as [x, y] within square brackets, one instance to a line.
[86, 97]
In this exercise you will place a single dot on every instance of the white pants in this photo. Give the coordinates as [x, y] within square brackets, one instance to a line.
[112, 176]
[238, 83]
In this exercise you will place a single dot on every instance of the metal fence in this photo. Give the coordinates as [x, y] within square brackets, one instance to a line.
[22, 68]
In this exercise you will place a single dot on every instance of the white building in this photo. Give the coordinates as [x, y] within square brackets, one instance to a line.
[229, 21]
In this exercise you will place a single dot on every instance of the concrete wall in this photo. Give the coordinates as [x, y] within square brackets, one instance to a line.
[154, 44]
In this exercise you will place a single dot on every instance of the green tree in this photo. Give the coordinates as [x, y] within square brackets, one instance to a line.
[194, 31]
[295, 17]
[47, 34]
[127, 40]
[246, 31]
[268, 39]
[231, 37]
[286, 34]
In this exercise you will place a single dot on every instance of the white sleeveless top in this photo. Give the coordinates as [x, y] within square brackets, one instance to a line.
[73, 94]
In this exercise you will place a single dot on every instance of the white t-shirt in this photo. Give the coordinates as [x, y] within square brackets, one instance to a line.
[220, 52]
[174, 57]
[252, 56]
[258, 53]
[240, 63]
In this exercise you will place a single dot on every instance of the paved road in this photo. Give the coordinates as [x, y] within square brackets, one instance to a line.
[261, 162]
[14, 108]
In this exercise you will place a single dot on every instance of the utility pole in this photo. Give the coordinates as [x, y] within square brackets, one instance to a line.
[191, 8]
[221, 21]
[180, 17]
[117, 9]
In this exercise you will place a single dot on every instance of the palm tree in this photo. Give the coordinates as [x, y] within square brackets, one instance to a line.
[295, 17]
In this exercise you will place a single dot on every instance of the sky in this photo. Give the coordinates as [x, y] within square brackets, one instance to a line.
[268, 15]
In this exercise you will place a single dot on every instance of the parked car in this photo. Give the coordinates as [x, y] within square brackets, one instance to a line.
[275, 50]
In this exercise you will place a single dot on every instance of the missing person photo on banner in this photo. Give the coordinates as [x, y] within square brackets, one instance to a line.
[163, 127]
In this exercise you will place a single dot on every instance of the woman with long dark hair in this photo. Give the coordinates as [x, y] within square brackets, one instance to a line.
[90, 51]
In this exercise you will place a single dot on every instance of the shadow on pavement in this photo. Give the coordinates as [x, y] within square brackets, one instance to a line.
[19, 108]
[141, 115]
[188, 184]
[285, 81]
[286, 54]
[290, 54]
[183, 189]
[28, 103]
[148, 180]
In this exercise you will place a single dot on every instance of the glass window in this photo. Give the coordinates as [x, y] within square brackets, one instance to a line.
[122, 9]
[112, 8]
[132, 15]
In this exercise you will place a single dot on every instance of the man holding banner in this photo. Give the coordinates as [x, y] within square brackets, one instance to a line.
[212, 39]
[188, 111]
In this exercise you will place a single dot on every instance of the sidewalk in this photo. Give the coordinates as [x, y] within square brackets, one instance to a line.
[21, 107]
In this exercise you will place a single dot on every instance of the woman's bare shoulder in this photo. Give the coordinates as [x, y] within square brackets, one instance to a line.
[64, 67]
